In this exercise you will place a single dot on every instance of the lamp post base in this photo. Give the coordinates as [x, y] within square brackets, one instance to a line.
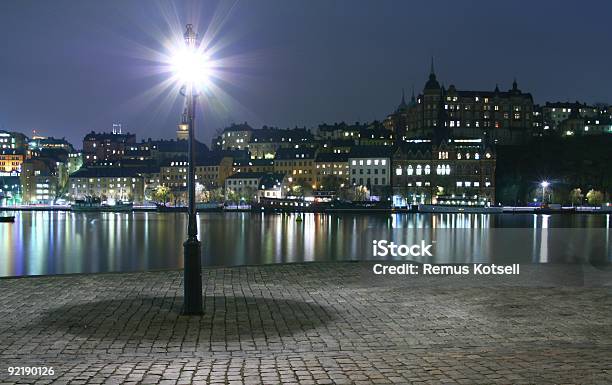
[192, 279]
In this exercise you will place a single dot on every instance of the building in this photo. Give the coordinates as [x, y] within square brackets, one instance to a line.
[39, 142]
[297, 164]
[370, 166]
[332, 170]
[376, 135]
[11, 161]
[265, 141]
[555, 113]
[336, 146]
[339, 131]
[210, 172]
[106, 148]
[41, 181]
[10, 190]
[504, 117]
[124, 184]
[253, 165]
[182, 129]
[236, 137]
[460, 171]
[252, 186]
[398, 120]
[13, 140]
[598, 126]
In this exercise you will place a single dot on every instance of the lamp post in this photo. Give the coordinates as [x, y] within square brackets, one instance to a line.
[544, 184]
[192, 280]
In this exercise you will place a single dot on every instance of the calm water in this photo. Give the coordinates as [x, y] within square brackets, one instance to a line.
[64, 242]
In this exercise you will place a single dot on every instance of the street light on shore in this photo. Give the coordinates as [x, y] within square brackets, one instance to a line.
[190, 66]
[544, 184]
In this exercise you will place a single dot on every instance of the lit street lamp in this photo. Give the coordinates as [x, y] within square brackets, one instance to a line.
[544, 184]
[190, 67]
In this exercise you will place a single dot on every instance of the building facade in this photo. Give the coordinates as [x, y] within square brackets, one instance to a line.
[106, 148]
[298, 164]
[370, 166]
[503, 117]
[332, 170]
[461, 171]
[11, 161]
[120, 184]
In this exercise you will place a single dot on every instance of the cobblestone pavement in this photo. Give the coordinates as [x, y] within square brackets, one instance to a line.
[318, 323]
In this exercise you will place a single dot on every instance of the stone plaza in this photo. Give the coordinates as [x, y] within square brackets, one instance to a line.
[314, 323]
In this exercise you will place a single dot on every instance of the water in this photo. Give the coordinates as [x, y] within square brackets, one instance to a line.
[41, 243]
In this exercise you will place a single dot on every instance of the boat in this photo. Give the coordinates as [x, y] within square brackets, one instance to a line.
[209, 207]
[7, 219]
[359, 206]
[425, 208]
[95, 205]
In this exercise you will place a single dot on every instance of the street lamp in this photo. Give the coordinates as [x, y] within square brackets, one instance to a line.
[544, 184]
[190, 66]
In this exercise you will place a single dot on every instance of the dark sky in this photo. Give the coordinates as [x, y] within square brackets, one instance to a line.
[69, 67]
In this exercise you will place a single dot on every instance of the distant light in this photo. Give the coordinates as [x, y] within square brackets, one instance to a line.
[544, 184]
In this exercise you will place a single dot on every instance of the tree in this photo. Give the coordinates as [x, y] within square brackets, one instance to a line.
[595, 198]
[217, 195]
[232, 196]
[331, 183]
[202, 194]
[361, 193]
[162, 195]
[576, 196]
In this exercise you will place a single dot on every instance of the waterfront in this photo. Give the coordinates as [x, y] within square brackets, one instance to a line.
[47, 243]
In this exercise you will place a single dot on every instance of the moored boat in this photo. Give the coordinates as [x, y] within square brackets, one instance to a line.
[425, 208]
[95, 205]
[7, 219]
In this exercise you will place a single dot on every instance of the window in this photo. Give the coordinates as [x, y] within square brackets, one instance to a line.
[410, 170]
[427, 170]
[398, 171]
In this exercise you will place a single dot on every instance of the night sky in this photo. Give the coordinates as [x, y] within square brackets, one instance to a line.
[69, 67]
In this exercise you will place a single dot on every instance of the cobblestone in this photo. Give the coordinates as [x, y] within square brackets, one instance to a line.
[317, 323]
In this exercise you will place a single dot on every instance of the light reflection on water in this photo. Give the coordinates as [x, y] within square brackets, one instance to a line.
[64, 242]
